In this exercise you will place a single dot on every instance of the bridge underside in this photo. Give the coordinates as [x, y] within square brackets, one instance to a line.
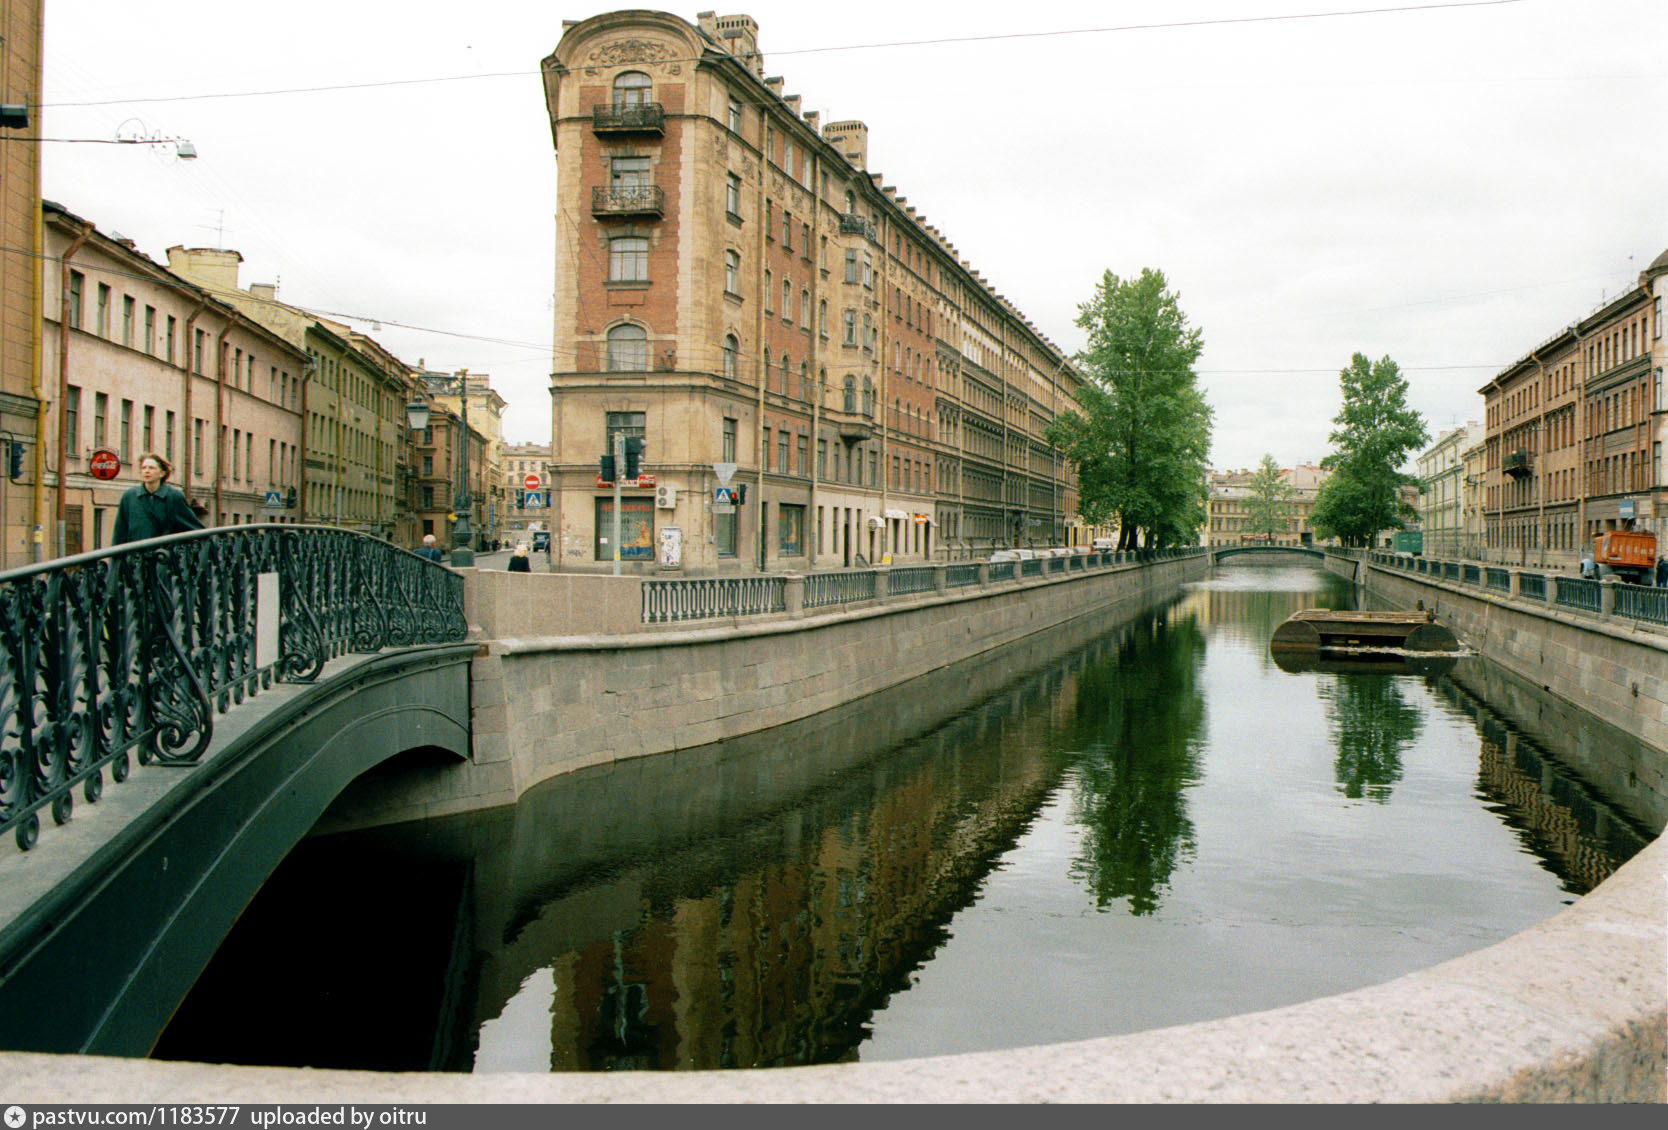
[99, 965]
[1255, 551]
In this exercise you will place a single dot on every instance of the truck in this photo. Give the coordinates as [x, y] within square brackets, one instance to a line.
[1627, 554]
[1408, 542]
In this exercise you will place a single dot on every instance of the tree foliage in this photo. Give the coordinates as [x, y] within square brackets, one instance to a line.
[1139, 437]
[1376, 432]
[1268, 508]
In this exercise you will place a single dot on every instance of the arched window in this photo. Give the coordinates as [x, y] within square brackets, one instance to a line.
[628, 349]
[632, 88]
[851, 394]
[731, 349]
[784, 374]
[851, 203]
[868, 397]
[804, 381]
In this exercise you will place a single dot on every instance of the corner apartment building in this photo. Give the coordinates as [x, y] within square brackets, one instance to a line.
[736, 289]
[1574, 433]
[1228, 504]
[137, 358]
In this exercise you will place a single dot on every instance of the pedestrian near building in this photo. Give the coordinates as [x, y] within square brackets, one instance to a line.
[519, 562]
[153, 509]
[429, 551]
[1662, 572]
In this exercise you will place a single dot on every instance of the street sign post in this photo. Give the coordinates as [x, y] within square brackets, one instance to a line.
[532, 481]
[725, 472]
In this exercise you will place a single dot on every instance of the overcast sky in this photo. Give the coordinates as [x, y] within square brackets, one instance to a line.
[1448, 184]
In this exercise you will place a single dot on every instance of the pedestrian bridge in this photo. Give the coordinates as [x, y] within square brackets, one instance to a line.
[1260, 551]
[255, 672]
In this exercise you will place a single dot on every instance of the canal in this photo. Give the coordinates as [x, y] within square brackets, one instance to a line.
[1129, 823]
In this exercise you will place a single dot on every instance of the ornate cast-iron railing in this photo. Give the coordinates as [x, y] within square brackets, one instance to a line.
[847, 587]
[1631, 602]
[910, 580]
[705, 598]
[128, 653]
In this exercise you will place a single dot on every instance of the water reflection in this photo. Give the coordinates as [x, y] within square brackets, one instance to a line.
[932, 869]
[1140, 717]
[1372, 724]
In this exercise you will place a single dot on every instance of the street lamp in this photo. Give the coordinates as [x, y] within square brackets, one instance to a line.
[417, 416]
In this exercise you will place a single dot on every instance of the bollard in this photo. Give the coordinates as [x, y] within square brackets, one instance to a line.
[793, 595]
[1607, 596]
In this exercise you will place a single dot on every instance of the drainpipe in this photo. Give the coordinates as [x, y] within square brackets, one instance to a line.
[63, 391]
[759, 375]
[220, 423]
[37, 385]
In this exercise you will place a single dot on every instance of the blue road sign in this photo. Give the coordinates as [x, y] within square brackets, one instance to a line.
[723, 496]
[274, 500]
[535, 499]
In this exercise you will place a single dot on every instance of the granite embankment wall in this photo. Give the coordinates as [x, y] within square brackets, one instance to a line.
[1613, 668]
[569, 676]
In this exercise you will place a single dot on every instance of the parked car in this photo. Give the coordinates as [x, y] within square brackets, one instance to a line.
[541, 541]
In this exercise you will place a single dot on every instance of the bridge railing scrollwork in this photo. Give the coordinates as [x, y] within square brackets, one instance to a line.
[129, 653]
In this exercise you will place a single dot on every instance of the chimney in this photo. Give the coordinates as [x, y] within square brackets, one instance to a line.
[266, 291]
[851, 139]
[211, 266]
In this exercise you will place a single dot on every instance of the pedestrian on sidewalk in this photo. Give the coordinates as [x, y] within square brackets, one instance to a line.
[519, 562]
[429, 551]
[153, 509]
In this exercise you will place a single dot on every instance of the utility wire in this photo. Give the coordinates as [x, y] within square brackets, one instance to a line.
[878, 45]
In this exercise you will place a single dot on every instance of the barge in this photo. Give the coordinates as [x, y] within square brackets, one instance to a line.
[1319, 629]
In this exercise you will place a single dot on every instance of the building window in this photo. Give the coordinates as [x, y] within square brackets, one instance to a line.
[149, 435]
[77, 282]
[103, 327]
[851, 327]
[101, 408]
[822, 318]
[628, 349]
[787, 301]
[628, 259]
[127, 319]
[727, 441]
[766, 297]
[636, 528]
[150, 330]
[787, 230]
[626, 174]
[124, 448]
[732, 272]
[790, 530]
[802, 454]
[731, 348]
[804, 309]
[72, 421]
[632, 88]
[851, 265]
[628, 424]
[734, 119]
[732, 195]
[168, 450]
[724, 533]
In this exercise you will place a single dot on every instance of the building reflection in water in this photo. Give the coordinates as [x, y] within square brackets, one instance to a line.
[759, 902]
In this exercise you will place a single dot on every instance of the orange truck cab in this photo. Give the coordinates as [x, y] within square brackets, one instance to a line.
[1629, 554]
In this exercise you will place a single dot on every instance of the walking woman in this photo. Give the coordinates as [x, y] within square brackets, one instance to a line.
[518, 560]
[153, 508]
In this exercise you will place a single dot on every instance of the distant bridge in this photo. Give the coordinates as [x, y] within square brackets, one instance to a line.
[1217, 555]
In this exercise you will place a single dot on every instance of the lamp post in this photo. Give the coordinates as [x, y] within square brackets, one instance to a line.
[417, 417]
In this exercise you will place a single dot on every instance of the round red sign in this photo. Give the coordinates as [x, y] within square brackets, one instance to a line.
[531, 482]
[104, 464]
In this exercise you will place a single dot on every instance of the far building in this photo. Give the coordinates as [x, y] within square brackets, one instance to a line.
[1228, 507]
[527, 480]
[1441, 470]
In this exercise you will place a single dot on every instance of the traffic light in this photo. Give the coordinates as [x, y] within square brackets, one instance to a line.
[289, 499]
[634, 456]
[520, 499]
[605, 470]
[15, 467]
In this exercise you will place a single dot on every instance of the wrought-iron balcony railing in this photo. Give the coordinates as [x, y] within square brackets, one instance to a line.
[643, 117]
[628, 200]
[853, 224]
[1517, 464]
[129, 653]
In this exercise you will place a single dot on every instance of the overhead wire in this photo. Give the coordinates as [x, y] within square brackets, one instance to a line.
[1216, 21]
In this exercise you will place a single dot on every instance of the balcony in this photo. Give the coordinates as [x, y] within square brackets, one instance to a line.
[1517, 464]
[628, 200]
[853, 224]
[854, 419]
[644, 117]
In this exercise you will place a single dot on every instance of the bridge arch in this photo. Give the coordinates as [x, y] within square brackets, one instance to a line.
[99, 964]
[1217, 555]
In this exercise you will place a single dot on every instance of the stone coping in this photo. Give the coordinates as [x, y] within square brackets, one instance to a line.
[1570, 1010]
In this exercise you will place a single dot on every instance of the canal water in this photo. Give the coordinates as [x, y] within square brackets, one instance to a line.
[1132, 822]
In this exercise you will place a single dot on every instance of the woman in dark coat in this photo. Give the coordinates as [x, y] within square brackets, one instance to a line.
[518, 560]
[153, 508]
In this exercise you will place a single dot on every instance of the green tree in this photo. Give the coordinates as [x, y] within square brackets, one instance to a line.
[1376, 432]
[1140, 434]
[1268, 508]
